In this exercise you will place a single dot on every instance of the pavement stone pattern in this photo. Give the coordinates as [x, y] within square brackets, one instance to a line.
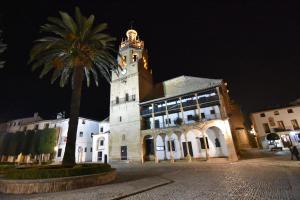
[263, 178]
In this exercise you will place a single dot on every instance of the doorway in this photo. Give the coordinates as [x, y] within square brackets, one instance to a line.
[123, 152]
[185, 150]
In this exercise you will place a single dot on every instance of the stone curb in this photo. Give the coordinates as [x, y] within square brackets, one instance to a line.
[106, 192]
[55, 184]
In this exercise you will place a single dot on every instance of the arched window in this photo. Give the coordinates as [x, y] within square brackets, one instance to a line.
[134, 58]
[217, 142]
[100, 143]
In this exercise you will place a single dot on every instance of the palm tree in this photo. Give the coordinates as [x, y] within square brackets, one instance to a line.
[2, 49]
[74, 48]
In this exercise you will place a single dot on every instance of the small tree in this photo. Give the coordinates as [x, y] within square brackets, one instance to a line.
[28, 142]
[196, 118]
[47, 141]
[272, 137]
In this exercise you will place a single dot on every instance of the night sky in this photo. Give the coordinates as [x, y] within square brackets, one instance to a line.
[253, 45]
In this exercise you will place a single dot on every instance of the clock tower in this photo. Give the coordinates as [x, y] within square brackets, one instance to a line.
[130, 87]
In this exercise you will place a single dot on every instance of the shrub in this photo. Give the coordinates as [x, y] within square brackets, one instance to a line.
[178, 121]
[55, 171]
[4, 167]
[47, 140]
[196, 118]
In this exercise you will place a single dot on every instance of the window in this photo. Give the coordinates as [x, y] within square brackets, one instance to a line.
[262, 114]
[134, 57]
[83, 121]
[100, 156]
[133, 97]
[80, 134]
[91, 149]
[156, 125]
[19, 123]
[25, 128]
[276, 112]
[212, 112]
[117, 100]
[281, 125]
[123, 137]
[266, 127]
[295, 124]
[190, 117]
[120, 119]
[217, 142]
[173, 145]
[59, 152]
[101, 129]
[203, 143]
[47, 125]
[126, 97]
[85, 149]
[203, 115]
[36, 127]
[101, 142]
[92, 135]
[290, 110]
[168, 121]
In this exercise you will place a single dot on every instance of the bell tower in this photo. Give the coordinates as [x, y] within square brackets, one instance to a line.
[131, 86]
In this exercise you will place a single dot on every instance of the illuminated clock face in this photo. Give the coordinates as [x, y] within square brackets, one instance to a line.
[124, 71]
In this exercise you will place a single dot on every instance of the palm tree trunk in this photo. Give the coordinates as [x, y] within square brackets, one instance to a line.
[69, 155]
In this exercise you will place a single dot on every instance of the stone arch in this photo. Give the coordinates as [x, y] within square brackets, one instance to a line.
[148, 148]
[176, 146]
[216, 141]
[160, 147]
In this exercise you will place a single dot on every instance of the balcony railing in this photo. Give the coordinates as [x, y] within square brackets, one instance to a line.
[186, 121]
[123, 100]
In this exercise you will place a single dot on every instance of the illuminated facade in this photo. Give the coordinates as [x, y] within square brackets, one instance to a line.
[182, 118]
[283, 121]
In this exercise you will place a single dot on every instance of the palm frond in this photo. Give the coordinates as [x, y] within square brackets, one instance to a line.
[72, 43]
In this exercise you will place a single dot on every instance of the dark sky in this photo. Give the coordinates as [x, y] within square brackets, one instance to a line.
[253, 45]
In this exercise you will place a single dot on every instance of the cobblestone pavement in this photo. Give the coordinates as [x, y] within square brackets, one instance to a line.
[257, 178]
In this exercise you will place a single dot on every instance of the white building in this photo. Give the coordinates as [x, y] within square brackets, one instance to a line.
[143, 115]
[283, 121]
[84, 141]
[101, 143]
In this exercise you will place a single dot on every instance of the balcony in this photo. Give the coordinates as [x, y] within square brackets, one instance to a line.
[162, 125]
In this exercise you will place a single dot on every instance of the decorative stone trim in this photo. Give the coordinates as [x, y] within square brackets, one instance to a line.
[55, 184]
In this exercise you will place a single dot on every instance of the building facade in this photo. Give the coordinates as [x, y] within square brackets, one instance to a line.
[101, 143]
[85, 131]
[283, 121]
[182, 118]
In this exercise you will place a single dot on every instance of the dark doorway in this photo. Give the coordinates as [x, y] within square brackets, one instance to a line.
[100, 156]
[185, 150]
[203, 143]
[148, 148]
[123, 152]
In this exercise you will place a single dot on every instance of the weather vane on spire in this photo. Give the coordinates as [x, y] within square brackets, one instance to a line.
[131, 24]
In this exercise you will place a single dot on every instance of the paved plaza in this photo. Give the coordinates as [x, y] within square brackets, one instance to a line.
[259, 176]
